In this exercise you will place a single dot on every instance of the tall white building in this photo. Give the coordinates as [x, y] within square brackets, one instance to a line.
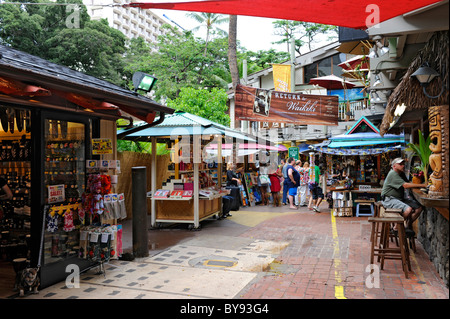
[132, 22]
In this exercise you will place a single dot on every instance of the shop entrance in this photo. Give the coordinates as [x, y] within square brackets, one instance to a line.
[15, 212]
[42, 162]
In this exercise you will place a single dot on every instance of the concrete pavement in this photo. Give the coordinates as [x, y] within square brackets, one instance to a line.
[260, 252]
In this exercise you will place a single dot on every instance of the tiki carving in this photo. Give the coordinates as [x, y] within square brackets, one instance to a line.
[439, 121]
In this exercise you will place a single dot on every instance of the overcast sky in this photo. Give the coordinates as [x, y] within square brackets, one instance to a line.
[253, 33]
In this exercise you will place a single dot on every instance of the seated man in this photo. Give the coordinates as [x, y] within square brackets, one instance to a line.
[393, 193]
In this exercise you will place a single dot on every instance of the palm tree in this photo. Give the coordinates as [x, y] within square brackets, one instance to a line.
[210, 21]
[232, 55]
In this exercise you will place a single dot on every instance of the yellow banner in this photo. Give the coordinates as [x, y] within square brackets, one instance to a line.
[282, 77]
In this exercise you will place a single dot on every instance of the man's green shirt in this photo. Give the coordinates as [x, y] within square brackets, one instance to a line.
[393, 185]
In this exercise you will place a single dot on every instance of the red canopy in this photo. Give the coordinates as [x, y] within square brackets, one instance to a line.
[331, 82]
[360, 61]
[345, 13]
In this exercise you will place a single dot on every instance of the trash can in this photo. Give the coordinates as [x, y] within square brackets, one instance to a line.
[235, 193]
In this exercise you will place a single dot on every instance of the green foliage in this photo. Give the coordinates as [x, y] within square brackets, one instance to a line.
[178, 61]
[96, 50]
[423, 151]
[141, 147]
[209, 105]
[306, 32]
[263, 59]
[43, 30]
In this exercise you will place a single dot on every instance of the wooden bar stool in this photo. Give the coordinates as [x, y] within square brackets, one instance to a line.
[384, 251]
[380, 211]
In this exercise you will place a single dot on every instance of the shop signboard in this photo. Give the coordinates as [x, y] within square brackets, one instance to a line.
[293, 152]
[56, 194]
[260, 105]
[101, 146]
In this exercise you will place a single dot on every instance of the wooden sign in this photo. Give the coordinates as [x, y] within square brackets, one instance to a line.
[260, 105]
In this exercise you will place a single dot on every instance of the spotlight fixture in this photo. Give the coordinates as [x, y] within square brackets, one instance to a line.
[378, 81]
[378, 49]
[425, 74]
[375, 97]
[143, 81]
[373, 53]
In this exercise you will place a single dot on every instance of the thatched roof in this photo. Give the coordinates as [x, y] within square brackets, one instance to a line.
[409, 91]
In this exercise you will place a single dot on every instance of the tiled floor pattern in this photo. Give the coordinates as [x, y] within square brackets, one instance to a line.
[286, 256]
[144, 280]
[182, 271]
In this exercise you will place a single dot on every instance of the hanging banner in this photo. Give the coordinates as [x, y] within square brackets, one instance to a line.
[282, 77]
[260, 105]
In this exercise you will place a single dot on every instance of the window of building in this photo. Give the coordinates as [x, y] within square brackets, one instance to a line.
[324, 67]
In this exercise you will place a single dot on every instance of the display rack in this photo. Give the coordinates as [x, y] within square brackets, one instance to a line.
[193, 177]
[342, 203]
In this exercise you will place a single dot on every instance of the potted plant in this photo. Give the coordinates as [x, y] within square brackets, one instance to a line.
[422, 150]
[417, 174]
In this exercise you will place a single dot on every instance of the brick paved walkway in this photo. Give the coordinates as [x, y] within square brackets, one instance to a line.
[317, 261]
[263, 253]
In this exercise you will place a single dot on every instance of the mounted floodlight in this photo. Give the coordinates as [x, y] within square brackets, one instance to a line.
[378, 81]
[378, 49]
[143, 81]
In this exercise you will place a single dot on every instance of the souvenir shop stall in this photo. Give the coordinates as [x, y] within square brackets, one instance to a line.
[58, 157]
[254, 164]
[195, 189]
[362, 157]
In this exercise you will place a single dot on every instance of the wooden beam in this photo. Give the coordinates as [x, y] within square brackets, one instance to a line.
[443, 211]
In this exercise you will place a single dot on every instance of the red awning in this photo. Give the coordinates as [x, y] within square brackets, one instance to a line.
[356, 14]
[17, 88]
[361, 62]
[331, 82]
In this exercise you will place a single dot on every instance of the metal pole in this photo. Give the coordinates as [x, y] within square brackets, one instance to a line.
[292, 65]
[153, 182]
[139, 207]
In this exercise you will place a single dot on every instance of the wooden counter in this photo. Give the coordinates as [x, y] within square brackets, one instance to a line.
[440, 204]
[356, 190]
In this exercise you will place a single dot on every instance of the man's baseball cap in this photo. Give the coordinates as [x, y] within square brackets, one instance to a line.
[398, 160]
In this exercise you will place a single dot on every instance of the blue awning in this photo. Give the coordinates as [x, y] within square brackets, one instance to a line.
[347, 144]
[358, 151]
[303, 147]
[186, 124]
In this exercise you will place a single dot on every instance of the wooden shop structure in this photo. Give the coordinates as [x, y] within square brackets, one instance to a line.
[194, 171]
[52, 120]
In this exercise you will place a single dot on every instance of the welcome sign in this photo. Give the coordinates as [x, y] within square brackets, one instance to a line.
[260, 105]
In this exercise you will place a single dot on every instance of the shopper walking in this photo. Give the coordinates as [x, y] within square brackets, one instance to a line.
[293, 182]
[298, 167]
[284, 165]
[275, 186]
[304, 180]
[316, 191]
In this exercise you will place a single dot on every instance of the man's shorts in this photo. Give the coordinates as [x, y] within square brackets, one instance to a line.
[293, 191]
[392, 202]
[316, 192]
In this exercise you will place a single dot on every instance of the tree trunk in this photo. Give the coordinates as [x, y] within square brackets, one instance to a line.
[206, 42]
[232, 57]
